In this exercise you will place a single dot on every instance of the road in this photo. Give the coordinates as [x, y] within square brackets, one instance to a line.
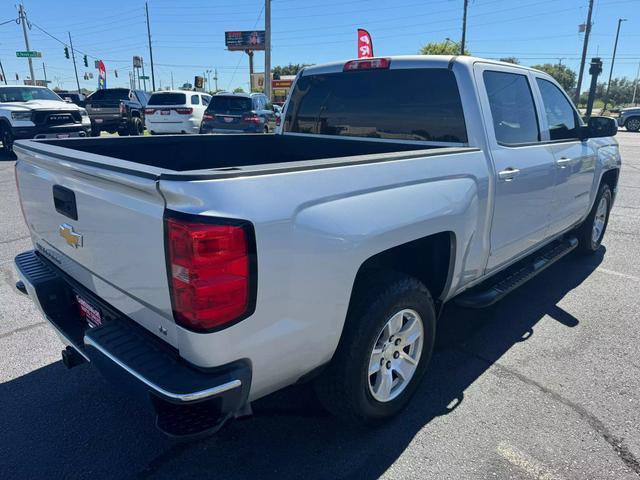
[544, 385]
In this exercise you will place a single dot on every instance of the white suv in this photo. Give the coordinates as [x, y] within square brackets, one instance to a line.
[175, 111]
[37, 112]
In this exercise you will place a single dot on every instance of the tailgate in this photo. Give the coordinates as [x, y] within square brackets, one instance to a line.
[102, 227]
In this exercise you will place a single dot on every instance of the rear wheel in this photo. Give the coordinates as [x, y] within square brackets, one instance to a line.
[591, 232]
[266, 129]
[384, 351]
[123, 132]
[7, 139]
[632, 124]
[95, 131]
[135, 126]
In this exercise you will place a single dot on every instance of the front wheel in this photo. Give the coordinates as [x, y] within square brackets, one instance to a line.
[384, 351]
[591, 232]
[7, 139]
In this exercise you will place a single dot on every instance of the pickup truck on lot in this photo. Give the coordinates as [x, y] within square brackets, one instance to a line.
[37, 112]
[118, 110]
[208, 271]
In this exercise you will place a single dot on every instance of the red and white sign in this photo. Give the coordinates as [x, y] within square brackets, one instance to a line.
[365, 45]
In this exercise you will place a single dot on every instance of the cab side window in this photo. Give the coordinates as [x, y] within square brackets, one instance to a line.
[512, 108]
[561, 116]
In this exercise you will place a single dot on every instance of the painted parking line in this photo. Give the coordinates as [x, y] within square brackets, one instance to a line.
[618, 274]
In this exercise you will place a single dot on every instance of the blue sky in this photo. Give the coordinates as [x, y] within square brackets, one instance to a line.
[188, 36]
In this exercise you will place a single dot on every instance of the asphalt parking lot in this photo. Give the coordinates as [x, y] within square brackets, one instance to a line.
[544, 385]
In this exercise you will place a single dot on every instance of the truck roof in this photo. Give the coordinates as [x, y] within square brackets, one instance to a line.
[413, 61]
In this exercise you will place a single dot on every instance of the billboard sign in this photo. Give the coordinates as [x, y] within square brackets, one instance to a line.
[137, 62]
[246, 40]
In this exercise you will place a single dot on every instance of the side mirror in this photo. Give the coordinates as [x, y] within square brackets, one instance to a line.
[68, 100]
[601, 127]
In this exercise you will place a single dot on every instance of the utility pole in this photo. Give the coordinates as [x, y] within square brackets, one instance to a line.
[153, 77]
[585, 45]
[464, 27]
[44, 70]
[73, 56]
[633, 100]
[5, 77]
[215, 78]
[595, 69]
[144, 80]
[23, 19]
[267, 49]
[613, 59]
[171, 80]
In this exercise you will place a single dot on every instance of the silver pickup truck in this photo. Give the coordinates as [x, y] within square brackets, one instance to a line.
[208, 271]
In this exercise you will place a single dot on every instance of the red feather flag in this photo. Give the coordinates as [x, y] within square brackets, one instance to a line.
[365, 45]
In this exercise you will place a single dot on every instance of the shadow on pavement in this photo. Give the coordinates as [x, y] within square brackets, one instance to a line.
[6, 157]
[72, 424]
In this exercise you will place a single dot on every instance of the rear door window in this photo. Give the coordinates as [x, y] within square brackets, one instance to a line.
[405, 104]
[561, 117]
[168, 98]
[515, 121]
[111, 94]
[195, 100]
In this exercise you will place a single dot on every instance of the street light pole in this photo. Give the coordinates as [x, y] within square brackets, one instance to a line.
[635, 86]
[153, 75]
[613, 59]
[267, 49]
[73, 56]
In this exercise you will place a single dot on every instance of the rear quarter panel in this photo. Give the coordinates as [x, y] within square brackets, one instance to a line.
[314, 229]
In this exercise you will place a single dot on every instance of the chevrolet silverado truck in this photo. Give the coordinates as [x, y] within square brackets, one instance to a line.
[37, 112]
[205, 272]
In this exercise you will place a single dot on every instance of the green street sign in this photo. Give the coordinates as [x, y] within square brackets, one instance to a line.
[28, 54]
[144, 77]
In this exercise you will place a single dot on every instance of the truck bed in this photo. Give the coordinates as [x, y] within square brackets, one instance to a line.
[206, 152]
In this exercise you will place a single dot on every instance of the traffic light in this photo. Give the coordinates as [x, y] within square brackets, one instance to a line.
[115, 72]
[86, 62]
[199, 82]
[66, 52]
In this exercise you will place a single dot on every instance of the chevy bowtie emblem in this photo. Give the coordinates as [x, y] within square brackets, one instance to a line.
[72, 238]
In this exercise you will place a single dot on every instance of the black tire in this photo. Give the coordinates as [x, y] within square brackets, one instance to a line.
[123, 132]
[632, 124]
[343, 387]
[266, 129]
[136, 127]
[95, 131]
[585, 233]
[7, 139]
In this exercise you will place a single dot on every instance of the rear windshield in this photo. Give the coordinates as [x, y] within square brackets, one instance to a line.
[111, 94]
[407, 104]
[229, 104]
[168, 99]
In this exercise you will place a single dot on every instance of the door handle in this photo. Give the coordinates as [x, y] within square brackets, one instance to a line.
[564, 162]
[508, 174]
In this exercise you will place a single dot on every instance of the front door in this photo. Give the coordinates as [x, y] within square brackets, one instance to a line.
[575, 160]
[525, 167]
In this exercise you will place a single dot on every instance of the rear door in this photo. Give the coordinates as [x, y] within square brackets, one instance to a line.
[524, 165]
[575, 160]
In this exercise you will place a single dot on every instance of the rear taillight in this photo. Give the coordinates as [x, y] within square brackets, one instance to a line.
[208, 116]
[211, 272]
[251, 119]
[184, 111]
[123, 109]
[367, 64]
[149, 111]
[278, 121]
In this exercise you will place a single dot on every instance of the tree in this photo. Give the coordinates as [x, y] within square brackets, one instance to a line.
[442, 48]
[238, 90]
[620, 93]
[561, 73]
[291, 69]
[513, 60]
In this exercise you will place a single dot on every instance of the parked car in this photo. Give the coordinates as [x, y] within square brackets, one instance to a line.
[117, 110]
[630, 119]
[238, 113]
[72, 97]
[322, 254]
[175, 111]
[37, 112]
